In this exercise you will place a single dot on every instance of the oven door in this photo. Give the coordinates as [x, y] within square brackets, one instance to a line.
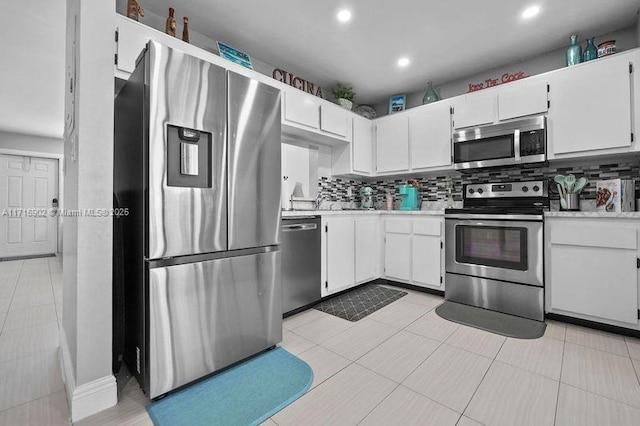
[500, 249]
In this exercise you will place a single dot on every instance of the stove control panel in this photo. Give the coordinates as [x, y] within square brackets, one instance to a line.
[536, 188]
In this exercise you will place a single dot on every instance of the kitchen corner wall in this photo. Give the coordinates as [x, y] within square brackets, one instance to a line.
[434, 187]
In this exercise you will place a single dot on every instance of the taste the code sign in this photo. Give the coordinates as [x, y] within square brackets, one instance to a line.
[493, 82]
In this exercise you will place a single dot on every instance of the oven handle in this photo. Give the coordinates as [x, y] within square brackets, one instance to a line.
[516, 145]
[511, 217]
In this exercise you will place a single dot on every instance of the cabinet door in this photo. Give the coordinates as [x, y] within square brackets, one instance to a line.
[362, 145]
[301, 108]
[397, 256]
[474, 109]
[426, 260]
[340, 254]
[367, 250]
[594, 272]
[131, 41]
[590, 107]
[430, 136]
[522, 98]
[334, 119]
[426, 253]
[392, 144]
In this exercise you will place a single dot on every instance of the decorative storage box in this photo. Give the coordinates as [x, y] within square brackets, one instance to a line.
[615, 195]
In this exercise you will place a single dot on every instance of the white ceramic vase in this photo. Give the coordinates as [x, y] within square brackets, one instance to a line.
[345, 103]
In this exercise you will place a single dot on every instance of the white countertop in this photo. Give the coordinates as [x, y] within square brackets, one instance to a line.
[581, 214]
[304, 213]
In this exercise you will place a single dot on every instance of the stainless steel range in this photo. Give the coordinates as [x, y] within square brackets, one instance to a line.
[494, 248]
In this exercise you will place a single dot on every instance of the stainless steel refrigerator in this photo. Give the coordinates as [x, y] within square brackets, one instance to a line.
[197, 165]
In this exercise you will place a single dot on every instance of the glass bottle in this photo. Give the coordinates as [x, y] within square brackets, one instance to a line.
[431, 95]
[574, 52]
[590, 51]
[170, 27]
[185, 29]
[134, 11]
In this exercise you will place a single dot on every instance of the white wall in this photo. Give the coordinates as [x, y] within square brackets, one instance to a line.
[22, 142]
[88, 153]
[32, 67]
[625, 39]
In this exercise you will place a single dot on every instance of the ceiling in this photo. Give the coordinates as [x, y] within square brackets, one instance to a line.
[444, 40]
[32, 47]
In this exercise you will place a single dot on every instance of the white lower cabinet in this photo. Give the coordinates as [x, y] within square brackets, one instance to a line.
[413, 251]
[367, 249]
[592, 269]
[351, 252]
[397, 256]
[340, 254]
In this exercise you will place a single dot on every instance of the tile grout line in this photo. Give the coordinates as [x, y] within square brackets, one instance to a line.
[15, 287]
[380, 403]
[555, 414]
[608, 398]
[482, 380]
[53, 292]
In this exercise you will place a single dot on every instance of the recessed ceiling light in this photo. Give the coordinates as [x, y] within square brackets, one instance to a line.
[344, 15]
[530, 12]
[403, 62]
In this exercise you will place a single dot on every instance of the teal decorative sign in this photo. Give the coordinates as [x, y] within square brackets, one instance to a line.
[234, 55]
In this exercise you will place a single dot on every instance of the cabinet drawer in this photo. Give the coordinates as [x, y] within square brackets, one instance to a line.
[619, 237]
[398, 226]
[427, 227]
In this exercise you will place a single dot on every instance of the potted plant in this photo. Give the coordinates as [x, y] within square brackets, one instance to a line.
[344, 95]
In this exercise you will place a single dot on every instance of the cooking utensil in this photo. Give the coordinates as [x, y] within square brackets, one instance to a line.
[569, 182]
[559, 179]
[563, 202]
[580, 184]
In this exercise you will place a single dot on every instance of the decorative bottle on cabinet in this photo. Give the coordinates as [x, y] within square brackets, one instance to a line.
[574, 52]
[185, 29]
[134, 11]
[590, 51]
[170, 27]
[431, 95]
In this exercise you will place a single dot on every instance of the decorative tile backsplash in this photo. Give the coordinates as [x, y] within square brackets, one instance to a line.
[434, 188]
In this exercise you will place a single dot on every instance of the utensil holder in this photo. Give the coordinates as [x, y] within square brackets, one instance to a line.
[573, 202]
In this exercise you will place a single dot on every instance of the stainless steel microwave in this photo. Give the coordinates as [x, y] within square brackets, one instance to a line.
[515, 142]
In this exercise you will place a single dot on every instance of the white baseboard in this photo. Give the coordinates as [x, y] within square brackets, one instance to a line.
[89, 398]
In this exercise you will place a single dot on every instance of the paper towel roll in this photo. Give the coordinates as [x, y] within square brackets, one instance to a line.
[285, 194]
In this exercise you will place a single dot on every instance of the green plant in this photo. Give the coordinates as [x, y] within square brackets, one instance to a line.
[343, 92]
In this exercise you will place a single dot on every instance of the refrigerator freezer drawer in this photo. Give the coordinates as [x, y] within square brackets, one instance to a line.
[208, 315]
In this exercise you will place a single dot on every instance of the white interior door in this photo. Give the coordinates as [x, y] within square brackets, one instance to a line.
[28, 186]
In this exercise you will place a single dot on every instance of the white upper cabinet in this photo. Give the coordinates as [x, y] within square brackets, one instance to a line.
[474, 109]
[392, 143]
[334, 119]
[522, 98]
[301, 108]
[362, 146]
[590, 112]
[430, 136]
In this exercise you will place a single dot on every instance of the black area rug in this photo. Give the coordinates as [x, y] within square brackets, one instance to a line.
[494, 322]
[359, 303]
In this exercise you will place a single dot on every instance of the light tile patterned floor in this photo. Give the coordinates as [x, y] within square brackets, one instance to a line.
[31, 388]
[402, 365]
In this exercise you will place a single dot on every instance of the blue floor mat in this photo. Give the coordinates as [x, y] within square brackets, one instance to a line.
[246, 394]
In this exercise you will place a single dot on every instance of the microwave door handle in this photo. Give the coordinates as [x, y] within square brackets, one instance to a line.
[516, 145]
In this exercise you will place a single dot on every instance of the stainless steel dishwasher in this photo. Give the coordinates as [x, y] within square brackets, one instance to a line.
[300, 262]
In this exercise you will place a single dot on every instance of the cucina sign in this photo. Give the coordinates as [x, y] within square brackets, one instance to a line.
[492, 82]
[297, 82]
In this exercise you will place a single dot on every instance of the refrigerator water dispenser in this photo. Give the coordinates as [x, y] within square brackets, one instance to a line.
[188, 157]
